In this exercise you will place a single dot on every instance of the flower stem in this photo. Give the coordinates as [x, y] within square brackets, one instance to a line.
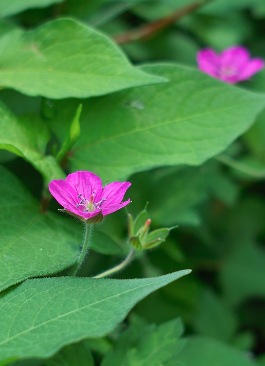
[117, 268]
[84, 250]
[241, 166]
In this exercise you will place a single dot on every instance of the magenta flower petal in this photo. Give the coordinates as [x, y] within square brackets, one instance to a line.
[63, 193]
[83, 195]
[236, 57]
[114, 192]
[208, 61]
[115, 207]
[85, 183]
[252, 68]
[232, 65]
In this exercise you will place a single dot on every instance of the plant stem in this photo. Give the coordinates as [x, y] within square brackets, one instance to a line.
[241, 167]
[154, 27]
[117, 268]
[84, 250]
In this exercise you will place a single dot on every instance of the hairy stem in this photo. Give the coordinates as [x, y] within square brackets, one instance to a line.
[117, 268]
[84, 250]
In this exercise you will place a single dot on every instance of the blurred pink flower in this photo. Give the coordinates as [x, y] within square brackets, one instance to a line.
[82, 195]
[232, 65]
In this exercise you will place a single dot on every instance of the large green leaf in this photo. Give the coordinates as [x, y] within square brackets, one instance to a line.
[28, 139]
[214, 318]
[185, 121]
[243, 270]
[65, 58]
[31, 243]
[11, 7]
[191, 187]
[202, 351]
[42, 315]
[147, 345]
[74, 354]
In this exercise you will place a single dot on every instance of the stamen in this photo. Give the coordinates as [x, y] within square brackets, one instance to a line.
[82, 202]
[89, 205]
[99, 204]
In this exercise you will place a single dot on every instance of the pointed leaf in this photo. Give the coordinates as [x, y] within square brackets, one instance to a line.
[21, 139]
[31, 243]
[42, 315]
[65, 58]
[147, 345]
[185, 121]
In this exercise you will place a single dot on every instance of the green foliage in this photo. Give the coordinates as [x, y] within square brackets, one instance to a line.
[76, 354]
[200, 351]
[113, 87]
[58, 311]
[13, 6]
[134, 345]
[214, 318]
[43, 62]
[243, 272]
[72, 136]
[22, 139]
[32, 243]
[186, 121]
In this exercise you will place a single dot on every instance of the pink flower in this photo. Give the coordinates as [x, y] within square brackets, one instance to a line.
[82, 195]
[232, 65]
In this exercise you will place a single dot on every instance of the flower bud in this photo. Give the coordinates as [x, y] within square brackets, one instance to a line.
[140, 236]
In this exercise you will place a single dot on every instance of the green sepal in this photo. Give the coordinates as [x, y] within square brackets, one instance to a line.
[140, 237]
[95, 219]
[135, 242]
[156, 237]
[72, 137]
[140, 221]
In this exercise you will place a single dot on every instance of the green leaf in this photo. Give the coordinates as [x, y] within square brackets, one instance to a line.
[255, 137]
[42, 315]
[44, 62]
[185, 121]
[31, 243]
[214, 318]
[192, 187]
[13, 6]
[243, 270]
[218, 7]
[75, 354]
[202, 351]
[72, 136]
[21, 138]
[147, 345]
[261, 360]
[7, 362]
[157, 9]
[105, 244]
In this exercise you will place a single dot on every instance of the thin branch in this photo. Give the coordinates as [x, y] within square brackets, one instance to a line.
[152, 28]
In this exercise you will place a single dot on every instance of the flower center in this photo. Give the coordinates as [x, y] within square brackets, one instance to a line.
[89, 205]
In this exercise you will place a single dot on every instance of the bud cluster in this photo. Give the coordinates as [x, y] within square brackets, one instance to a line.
[140, 236]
